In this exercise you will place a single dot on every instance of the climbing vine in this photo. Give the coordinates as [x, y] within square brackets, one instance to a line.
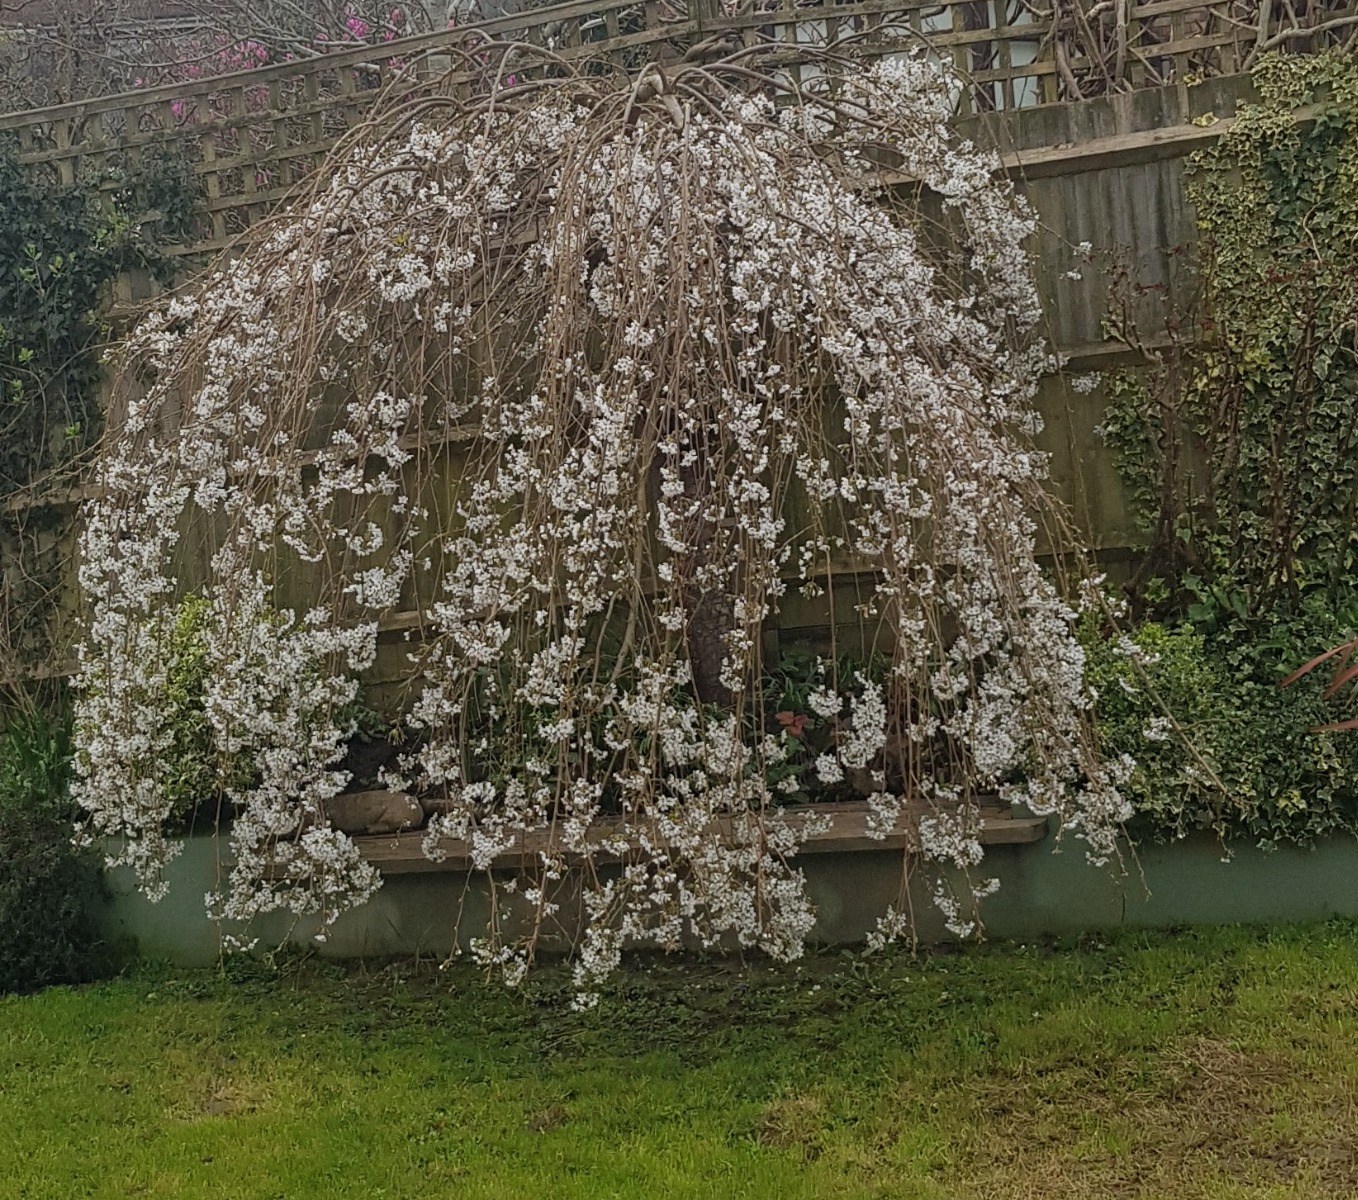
[1240, 450]
[1242, 459]
[64, 245]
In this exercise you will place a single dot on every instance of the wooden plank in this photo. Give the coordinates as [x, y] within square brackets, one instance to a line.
[1101, 356]
[403, 854]
[1145, 12]
[1147, 145]
[1186, 46]
[959, 36]
[212, 183]
[401, 622]
[1150, 145]
[68, 154]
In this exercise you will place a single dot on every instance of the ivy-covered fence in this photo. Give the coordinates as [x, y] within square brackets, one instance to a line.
[67, 247]
[1236, 442]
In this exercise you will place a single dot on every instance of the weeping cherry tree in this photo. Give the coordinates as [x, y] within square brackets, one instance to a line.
[708, 351]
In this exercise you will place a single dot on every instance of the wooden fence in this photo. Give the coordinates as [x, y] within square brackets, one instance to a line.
[1107, 172]
[253, 136]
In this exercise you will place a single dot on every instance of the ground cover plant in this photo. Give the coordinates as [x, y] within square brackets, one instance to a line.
[1183, 1066]
[1219, 745]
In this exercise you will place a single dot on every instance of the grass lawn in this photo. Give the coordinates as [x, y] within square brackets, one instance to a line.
[1206, 1064]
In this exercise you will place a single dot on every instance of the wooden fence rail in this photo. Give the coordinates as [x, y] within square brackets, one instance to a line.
[252, 137]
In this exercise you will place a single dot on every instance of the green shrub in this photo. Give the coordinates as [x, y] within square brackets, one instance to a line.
[1239, 755]
[49, 889]
[199, 776]
[1237, 453]
[195, 777]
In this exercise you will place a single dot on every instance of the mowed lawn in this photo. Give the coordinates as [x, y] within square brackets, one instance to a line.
[1202, 1064]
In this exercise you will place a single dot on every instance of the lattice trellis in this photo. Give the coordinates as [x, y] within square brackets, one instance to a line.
[254, 136]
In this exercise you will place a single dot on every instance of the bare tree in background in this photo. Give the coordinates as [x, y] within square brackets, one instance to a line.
[54, 51]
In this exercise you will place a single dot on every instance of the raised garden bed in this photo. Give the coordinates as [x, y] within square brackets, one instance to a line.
[403, 853]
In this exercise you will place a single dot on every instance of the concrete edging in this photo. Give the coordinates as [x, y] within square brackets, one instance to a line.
[1045, 888]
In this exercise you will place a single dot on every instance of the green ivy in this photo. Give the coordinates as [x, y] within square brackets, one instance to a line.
[1241, 458]
[194, 775]
[1258, 502]
[1238, 756]
[64, 244]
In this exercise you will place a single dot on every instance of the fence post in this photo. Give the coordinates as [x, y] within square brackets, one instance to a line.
[700, 12]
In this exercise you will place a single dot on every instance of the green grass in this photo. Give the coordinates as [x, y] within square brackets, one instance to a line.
[1211, 1064]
